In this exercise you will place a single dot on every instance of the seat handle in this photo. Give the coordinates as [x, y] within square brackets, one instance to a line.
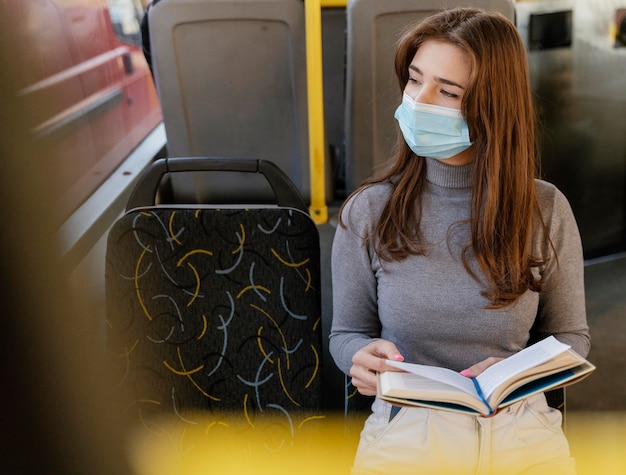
[145, 191]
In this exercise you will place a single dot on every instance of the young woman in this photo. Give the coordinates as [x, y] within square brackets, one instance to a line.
[456, 256]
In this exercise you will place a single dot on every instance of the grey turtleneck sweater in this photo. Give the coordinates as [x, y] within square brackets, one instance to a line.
[429, 306]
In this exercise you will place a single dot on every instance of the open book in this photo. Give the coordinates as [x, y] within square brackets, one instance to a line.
[548, 364]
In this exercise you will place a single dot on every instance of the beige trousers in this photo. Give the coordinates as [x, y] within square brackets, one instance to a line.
[524, 438]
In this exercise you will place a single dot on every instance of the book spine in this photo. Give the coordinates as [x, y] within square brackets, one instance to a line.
[482, 397]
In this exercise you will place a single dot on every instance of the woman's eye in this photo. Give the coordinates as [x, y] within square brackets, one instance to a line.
[449, 94]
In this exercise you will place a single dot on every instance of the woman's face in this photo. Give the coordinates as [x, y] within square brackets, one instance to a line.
[439, 74]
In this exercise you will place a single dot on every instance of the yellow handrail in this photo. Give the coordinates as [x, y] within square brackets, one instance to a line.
[315, 87]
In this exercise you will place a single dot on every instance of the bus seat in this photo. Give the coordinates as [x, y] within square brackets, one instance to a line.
[373, 29]
[231, 78]
[214, 312]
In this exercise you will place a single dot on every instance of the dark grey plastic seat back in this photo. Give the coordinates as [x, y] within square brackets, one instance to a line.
[231, 77]
[372, 96]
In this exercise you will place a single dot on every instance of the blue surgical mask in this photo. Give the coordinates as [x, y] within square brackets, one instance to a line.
[432, 131]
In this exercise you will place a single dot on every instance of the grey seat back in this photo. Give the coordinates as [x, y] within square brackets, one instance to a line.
[231, 77]
[373, 29]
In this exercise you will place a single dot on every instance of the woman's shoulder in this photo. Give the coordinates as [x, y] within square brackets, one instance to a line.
[370, 197]
[552, 202]
[549, 195]
[366, 203]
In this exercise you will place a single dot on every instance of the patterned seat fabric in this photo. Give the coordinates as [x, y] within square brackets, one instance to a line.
[215, 313]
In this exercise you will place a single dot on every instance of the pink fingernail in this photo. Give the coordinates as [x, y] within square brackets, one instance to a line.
[398, 357]
[466, 372]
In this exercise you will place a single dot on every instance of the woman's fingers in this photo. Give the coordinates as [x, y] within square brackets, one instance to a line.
[478, 368]
[369, 361]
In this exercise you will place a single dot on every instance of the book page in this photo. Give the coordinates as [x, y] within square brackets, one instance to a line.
[524, 360]
[559, 379]
[443, 375]
[407, 389]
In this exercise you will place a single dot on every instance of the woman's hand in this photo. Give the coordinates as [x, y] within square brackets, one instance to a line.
[478, 368]
[369, 361]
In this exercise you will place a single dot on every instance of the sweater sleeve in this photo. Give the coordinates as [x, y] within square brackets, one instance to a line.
[562, 311]
[355, 315]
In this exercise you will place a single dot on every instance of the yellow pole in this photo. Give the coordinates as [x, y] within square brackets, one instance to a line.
[317, 142]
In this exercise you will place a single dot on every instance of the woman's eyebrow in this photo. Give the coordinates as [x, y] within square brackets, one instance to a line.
[438, 79]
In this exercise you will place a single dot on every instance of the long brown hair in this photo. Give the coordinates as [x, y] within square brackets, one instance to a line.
[497, 106]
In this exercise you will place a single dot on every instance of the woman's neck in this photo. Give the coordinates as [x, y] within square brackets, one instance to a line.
[448, 176]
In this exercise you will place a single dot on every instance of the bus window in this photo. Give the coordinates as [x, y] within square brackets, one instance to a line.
[620, 28]
[550, 30]
[126, 19]
[86, 87]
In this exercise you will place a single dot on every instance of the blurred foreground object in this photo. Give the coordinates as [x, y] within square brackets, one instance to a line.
[57, 416]
[597, 440]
